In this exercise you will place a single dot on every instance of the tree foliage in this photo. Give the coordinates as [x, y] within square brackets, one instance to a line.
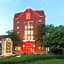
[14, 36]
[40, 31]
[55, 37]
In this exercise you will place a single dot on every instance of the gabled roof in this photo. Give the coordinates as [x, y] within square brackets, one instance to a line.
[38, 13]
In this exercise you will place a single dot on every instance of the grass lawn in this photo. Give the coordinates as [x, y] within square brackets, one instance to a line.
[50, 61]
[34, 59]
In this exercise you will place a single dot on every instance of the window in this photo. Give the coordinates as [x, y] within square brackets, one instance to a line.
[18, 27]
[25, 32]
[31, 32]
[28, 26]
[31, 26]
[18, 22]
[39, 20]
[25, 37]
[18, 32]
[28, 31]
[32, 37]
[28, 37]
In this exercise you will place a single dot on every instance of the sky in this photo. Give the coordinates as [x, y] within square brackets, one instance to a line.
[54, 11]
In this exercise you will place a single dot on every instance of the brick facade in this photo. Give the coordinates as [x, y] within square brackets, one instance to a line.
[25, 23]
[20, 21]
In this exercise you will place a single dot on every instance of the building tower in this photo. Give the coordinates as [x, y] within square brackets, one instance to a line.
[25, 23]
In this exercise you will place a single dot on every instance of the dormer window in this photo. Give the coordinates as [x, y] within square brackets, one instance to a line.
[39, 20]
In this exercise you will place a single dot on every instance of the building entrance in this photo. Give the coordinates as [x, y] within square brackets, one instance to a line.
[29, 47]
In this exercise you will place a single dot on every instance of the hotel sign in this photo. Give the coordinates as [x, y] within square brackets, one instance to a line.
[28, 16]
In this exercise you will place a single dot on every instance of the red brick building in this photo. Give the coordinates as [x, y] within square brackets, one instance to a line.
[25, 24]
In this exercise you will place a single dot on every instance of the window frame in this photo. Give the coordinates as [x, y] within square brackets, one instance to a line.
[39, 20]
[17, 27]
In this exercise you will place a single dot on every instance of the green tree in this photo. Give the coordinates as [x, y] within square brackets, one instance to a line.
[55, 38]
[14, 36]
[40, 32]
